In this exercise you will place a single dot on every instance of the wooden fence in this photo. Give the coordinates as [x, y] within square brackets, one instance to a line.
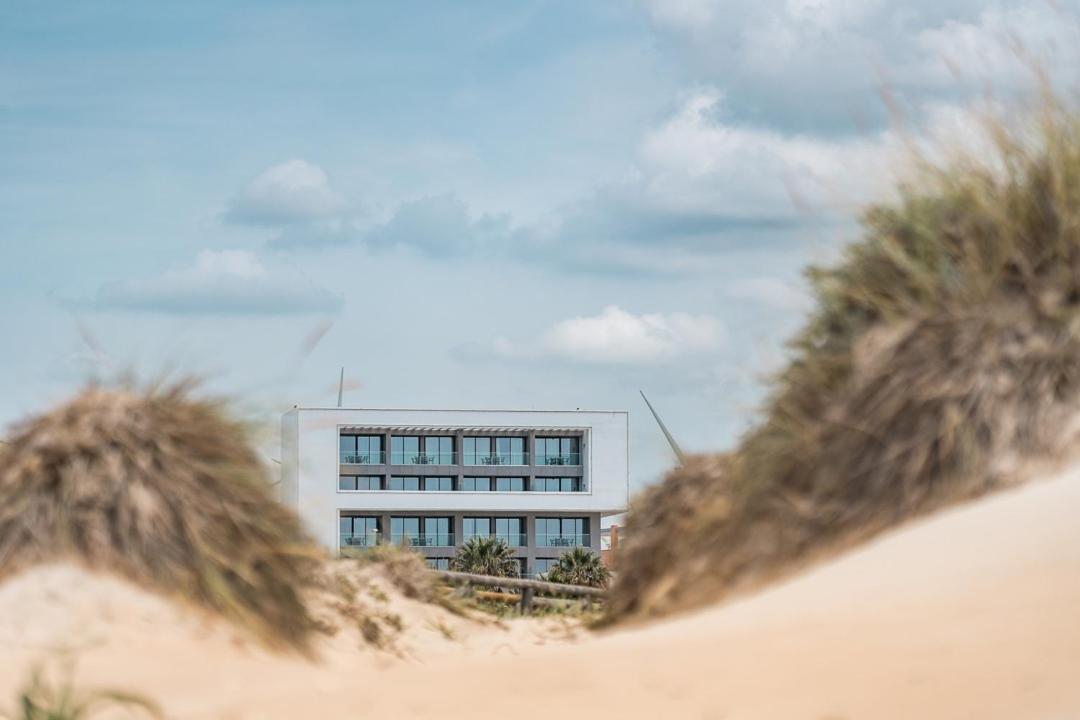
[527, 587]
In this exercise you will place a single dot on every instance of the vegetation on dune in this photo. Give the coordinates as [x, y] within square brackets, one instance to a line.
[485, 556]
[943, 352]
[162, 489]
[580, 567]
[45, 699]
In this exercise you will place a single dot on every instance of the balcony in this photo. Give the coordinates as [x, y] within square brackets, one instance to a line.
[359, 540]
[510, 458]
[363, 458]
[514, 540]
[425, 540]
[558, 459]
[423, 458]
[563, 540]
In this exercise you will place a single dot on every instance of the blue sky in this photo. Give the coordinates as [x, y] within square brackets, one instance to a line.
[470, 204]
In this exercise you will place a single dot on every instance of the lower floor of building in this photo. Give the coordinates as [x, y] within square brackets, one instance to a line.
[536, 539]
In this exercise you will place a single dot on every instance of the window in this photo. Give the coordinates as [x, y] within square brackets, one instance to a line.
[475, 484]
[558, 451]
[475, 527]
[557, 484]
[542, 565]
[360, 482]
[404, 482]
[562, 532]
[439, 483]
[476, 450]
[438, 563]
[404, 530]
[511, 530]
[405, 450]
[510, 484]
[359, 531]
[421, 532]
[361, 449]
[438, 450]
[510, 451]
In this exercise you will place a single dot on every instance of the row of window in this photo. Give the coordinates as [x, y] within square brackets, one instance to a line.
[446, 483]
[440, 450]
[438, 531]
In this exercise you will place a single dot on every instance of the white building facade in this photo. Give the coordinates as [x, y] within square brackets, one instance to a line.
[539, 480]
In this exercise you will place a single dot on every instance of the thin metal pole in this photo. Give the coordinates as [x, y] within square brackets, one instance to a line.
[663, 428]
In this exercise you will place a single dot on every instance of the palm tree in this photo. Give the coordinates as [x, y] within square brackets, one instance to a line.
[485, 556]
[580, 567]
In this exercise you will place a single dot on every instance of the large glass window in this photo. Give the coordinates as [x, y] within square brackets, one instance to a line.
[562, 532]
[360, 482]
[476, 451]
[439, 450]
[558, 451]
[542, 565]
[475, 527]
[511, 530]
[509, 484]
[404, 482]
[404, 530]
[557, 484]
[438, 563]
[361, 449]
[421, 531]
[359, 531]
[510, 451]
[405, 450]
[476, 484]
[439, 483]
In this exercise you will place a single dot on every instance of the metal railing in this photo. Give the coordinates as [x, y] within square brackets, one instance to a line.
[511, 539]
[562, 540]
[558, 458]
[423, 458]
[510, 458]
[359, 540]
[424, 540]
[376, 457]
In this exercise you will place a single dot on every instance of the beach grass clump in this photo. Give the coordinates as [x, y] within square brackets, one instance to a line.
[164, 489]
[942, 357]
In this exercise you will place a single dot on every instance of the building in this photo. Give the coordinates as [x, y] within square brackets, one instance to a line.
[431, 479]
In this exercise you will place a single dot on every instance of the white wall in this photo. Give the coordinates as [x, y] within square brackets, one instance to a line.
[315, 462]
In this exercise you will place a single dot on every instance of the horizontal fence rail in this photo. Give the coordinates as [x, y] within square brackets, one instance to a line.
[520, 584]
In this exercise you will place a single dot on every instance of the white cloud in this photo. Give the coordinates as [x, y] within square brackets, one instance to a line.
[220, 282]
[294, 191]
[616, 336]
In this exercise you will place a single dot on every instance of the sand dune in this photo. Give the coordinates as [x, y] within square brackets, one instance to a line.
[970, 614]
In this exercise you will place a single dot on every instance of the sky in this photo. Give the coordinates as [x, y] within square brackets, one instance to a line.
[530, 204]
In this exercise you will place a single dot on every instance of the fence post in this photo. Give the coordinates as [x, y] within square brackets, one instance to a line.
[526, 600]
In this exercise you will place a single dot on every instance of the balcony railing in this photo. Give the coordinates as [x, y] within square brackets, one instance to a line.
[425, 540]
[511, 539]
[563, 540]
[510, 458]
[423, 458]
[376, 457]
[359, 540]
[558, 458]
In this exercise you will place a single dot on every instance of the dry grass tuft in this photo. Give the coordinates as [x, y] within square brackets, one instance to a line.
[944, 352]
[164, 490]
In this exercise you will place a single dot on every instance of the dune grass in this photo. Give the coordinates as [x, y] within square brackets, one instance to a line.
[164, 489]
[944, 350]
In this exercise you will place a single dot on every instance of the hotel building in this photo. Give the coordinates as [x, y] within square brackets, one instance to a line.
[431, 479]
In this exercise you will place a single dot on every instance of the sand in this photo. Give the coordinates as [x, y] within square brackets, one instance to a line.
[973, 613]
